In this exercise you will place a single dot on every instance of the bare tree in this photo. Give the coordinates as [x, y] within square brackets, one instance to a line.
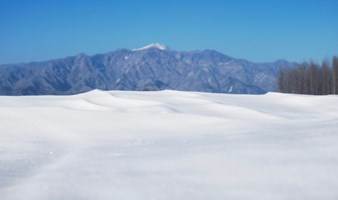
[310, 78]
[326, 77]
[335, 75]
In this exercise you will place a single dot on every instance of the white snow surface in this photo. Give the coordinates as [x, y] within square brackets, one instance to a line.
[153, 45]
[168, 145]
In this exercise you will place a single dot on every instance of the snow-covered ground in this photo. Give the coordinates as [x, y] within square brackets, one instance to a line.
[169, 145]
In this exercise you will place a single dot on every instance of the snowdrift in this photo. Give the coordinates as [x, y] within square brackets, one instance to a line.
[168, 145]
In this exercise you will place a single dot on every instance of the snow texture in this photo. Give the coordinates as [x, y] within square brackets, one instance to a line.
[168, 145]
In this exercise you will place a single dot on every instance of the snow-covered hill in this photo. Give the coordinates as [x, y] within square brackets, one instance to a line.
[168, 145]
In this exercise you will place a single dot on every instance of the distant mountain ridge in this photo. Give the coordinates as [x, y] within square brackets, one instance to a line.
[154, 67]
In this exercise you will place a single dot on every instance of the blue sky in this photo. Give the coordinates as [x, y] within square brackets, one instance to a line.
[263, 30]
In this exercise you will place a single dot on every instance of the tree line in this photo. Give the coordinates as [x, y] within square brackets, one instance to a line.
[310, 78]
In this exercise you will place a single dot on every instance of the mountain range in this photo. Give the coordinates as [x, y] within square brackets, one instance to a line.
[153, 67]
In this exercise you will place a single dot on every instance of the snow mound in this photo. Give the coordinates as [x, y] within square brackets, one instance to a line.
[168, 145]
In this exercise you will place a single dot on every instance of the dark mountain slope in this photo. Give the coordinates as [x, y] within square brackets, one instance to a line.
[151, 68]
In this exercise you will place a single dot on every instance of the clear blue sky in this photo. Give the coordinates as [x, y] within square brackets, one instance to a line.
[262, 30]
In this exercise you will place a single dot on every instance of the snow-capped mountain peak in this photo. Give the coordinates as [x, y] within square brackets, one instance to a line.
[152, 46]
